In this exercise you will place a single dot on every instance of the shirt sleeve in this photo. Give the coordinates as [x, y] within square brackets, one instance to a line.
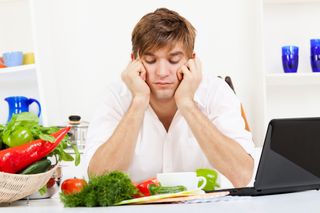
[225, 113]
[106, 118]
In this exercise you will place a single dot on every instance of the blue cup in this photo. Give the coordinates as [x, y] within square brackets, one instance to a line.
[290, 58]
[315, 54]
[11, 59]
[18, 104]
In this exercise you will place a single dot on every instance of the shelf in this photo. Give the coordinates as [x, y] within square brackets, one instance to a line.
[17, 74]
[17, 81]
[290, 1]
[293, 79]
[16, 69]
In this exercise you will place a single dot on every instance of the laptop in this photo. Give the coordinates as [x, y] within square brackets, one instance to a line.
[290, 159]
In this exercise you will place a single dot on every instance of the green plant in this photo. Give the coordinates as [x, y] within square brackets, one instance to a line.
[104, 190]
[24, 128]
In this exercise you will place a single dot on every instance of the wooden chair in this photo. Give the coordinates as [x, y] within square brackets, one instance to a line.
[228, 80]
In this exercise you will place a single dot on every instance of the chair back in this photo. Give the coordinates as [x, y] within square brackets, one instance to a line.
[228, 80]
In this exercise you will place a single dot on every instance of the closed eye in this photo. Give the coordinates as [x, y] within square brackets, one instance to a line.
[174, 62]
[175, 59]
[150, 61]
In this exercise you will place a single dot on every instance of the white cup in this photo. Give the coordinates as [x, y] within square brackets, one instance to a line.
[187, 179]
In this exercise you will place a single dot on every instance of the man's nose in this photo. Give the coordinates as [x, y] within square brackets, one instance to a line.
[163, 69]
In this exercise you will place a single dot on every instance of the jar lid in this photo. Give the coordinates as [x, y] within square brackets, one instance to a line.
[75, 120]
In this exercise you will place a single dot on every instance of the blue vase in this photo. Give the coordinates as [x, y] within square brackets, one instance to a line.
[18, 104]
[290, 63]
[290, 59]
[315, 54]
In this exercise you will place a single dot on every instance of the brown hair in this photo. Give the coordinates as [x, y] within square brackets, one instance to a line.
[162, 28]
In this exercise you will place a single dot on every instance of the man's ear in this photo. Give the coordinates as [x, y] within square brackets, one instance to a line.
[193, 55]
[132, 57]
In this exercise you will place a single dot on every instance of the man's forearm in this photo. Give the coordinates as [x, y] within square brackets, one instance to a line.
[117, 152]
[226, 155]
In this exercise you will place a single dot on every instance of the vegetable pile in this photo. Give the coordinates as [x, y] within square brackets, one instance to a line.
[25, 145]
[104, 190]
[73, 185]
[152, 186]
[110, 189]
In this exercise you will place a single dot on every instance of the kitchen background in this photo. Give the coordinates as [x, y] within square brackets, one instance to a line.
[81, 45]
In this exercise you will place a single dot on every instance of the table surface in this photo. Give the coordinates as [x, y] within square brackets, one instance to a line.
[307, 201]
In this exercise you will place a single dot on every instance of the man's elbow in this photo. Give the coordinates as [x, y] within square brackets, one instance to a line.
[91, 171]
[97, 169]
[244, 175]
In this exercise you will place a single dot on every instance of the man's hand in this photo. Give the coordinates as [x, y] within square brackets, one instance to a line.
[190, 75]
[134, 77]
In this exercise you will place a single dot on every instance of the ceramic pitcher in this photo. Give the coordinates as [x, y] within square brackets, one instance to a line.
[18, 104]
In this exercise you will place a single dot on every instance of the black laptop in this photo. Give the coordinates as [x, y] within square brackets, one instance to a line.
[290, 158]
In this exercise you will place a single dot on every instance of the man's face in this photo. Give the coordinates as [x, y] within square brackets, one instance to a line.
[162, 67]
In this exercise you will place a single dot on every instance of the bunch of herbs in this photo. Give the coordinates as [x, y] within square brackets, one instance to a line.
[105, 190]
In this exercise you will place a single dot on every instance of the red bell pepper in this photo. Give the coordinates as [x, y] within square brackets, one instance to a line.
[17, 158]
[144, 187]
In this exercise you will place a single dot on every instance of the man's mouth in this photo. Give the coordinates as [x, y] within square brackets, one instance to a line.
[163, 84]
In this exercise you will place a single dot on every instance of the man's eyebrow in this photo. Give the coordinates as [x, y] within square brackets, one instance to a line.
[176, 53]
[170, 54]
[148, 54]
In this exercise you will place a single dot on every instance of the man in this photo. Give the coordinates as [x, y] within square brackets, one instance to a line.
[166, 116]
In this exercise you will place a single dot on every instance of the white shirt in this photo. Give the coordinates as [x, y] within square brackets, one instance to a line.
[176, 150]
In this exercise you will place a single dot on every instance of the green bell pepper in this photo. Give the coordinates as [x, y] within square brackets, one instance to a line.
[19, 136]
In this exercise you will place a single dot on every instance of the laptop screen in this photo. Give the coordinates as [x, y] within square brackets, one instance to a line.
[291, 154]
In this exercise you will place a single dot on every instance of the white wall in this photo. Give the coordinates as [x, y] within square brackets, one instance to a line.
[15, 35]
[15, 26]
[83, 44]
[291, 24]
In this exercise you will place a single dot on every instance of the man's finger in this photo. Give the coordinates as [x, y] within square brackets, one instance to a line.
[195, 64]
[179, 74]
[191, 65]
[185, 71]
[143, 72]
[197, 69]
[198, 64]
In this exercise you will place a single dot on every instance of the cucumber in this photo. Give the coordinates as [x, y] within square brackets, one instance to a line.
[37, 167]
[166, 189]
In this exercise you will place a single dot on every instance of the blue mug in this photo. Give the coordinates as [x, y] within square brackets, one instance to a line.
[290, 58]
[18, 104]
[11, 59]
[315, 54]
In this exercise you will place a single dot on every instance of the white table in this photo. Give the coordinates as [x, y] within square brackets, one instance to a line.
[308, 201]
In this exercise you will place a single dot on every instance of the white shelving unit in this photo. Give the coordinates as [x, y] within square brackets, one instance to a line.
[289, 1]
[17, 69]
[19, 80]
[290, 22]
[287, 79]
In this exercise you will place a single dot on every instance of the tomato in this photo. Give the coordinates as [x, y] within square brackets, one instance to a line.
[51, 183]
[73, 185]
